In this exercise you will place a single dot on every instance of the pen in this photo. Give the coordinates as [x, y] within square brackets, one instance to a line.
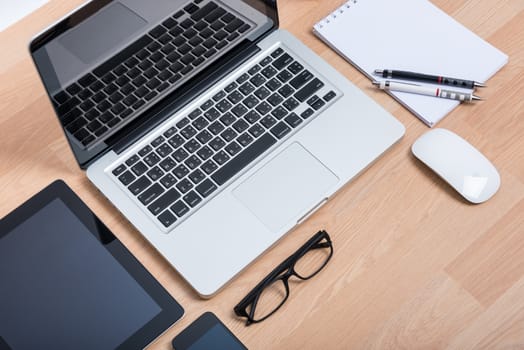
[399, 74]
[426, 90]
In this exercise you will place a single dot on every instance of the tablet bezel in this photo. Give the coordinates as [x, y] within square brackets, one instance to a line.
[171, 311]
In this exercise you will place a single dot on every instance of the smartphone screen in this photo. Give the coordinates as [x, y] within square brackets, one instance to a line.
[207, 332]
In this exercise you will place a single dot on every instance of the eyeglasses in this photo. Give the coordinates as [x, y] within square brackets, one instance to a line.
[272, 292]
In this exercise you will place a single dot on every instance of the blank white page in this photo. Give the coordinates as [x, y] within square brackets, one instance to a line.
[412, 35]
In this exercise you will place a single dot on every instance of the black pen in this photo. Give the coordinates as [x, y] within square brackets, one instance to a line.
[399, 74]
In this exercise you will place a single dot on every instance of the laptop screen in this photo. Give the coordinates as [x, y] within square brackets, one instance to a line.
[106, 65]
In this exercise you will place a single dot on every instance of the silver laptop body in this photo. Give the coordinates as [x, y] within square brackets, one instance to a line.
[302, 159]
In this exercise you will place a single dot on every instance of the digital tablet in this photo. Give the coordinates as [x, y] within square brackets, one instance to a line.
[207, 333]
[66, 282]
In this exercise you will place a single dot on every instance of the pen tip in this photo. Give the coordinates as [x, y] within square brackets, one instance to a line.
[475, 84]
[376, 83]
[476, 98]
[379, 71]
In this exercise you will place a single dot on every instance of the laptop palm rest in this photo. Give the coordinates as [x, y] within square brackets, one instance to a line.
[286, 187]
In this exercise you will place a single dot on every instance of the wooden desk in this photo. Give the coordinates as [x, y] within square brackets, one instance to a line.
[415, 266]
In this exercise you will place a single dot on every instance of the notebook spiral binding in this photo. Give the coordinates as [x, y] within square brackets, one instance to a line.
[331, 17]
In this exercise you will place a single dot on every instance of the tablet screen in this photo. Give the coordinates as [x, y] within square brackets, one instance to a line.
[60, 286]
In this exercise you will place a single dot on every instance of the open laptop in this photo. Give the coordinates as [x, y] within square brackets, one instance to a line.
[213, 131]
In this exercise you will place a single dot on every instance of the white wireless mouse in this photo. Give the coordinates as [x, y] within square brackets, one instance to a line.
[460, 164]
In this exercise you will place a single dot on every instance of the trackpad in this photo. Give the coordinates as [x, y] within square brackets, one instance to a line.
[287, 187]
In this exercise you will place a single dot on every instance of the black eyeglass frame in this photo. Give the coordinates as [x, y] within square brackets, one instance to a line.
[283, 272]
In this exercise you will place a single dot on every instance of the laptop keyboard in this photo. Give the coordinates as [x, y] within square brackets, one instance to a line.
[188, 161]
[106, 99]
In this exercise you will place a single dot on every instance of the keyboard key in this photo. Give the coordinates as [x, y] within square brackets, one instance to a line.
[192, 162]
[192, 199]
[244, 139]
[151, 194]
[166, 218]
[329, 96]
[246, 88]
[163, 202]
[245, 157]
[155, 173]
[269, 71]
[157, 31]
[192, 146]
[188, 132]
[167, 164]
[204, 136]
[280, 130]
[168, 181]
[200, 123]
[307, 113]
[139, 185]
[282, 61]
[181, 171]
[293, 120]
[119, 170]
[308, 90]
[204, 11]
[212, 114]
[205, 152]
[268, 121]
[277, 52]
[233, 25]
[145, 150]
[221, 157]
[184, 185]
[227, 118]
[209, 167]
[233, 148]
[217, 143]
[295, 67]
[139, 168]
[301, 79]
[318, 104]
[176, 141]
[216, 128]
[262, 93]
[180, 154]
[170, 132]
[179, 208]
[252, 117]
[275, 99]
[132, 160]
[151, 159]
[126, 178]
[279, 112]
[206, 188]
[240, 125]
[196, 176]
[264, 108]
[191, 8]
[256, 130]
[290, 104]
[273, 84]
[224, 105]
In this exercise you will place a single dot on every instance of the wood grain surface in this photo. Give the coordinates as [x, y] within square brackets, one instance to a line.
[415, 266]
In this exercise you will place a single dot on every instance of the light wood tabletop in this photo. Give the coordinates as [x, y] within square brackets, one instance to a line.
[414, 266]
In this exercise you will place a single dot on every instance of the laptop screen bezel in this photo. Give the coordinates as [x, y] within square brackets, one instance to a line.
[157, 112]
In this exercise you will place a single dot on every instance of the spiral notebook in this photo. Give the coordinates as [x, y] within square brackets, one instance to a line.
[412, 35]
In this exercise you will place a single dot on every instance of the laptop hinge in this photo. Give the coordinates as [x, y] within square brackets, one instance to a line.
[164, 109]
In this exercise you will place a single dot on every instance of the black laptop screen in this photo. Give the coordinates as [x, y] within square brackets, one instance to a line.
[106, 65]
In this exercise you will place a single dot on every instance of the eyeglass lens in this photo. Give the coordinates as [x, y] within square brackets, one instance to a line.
[275, 294]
